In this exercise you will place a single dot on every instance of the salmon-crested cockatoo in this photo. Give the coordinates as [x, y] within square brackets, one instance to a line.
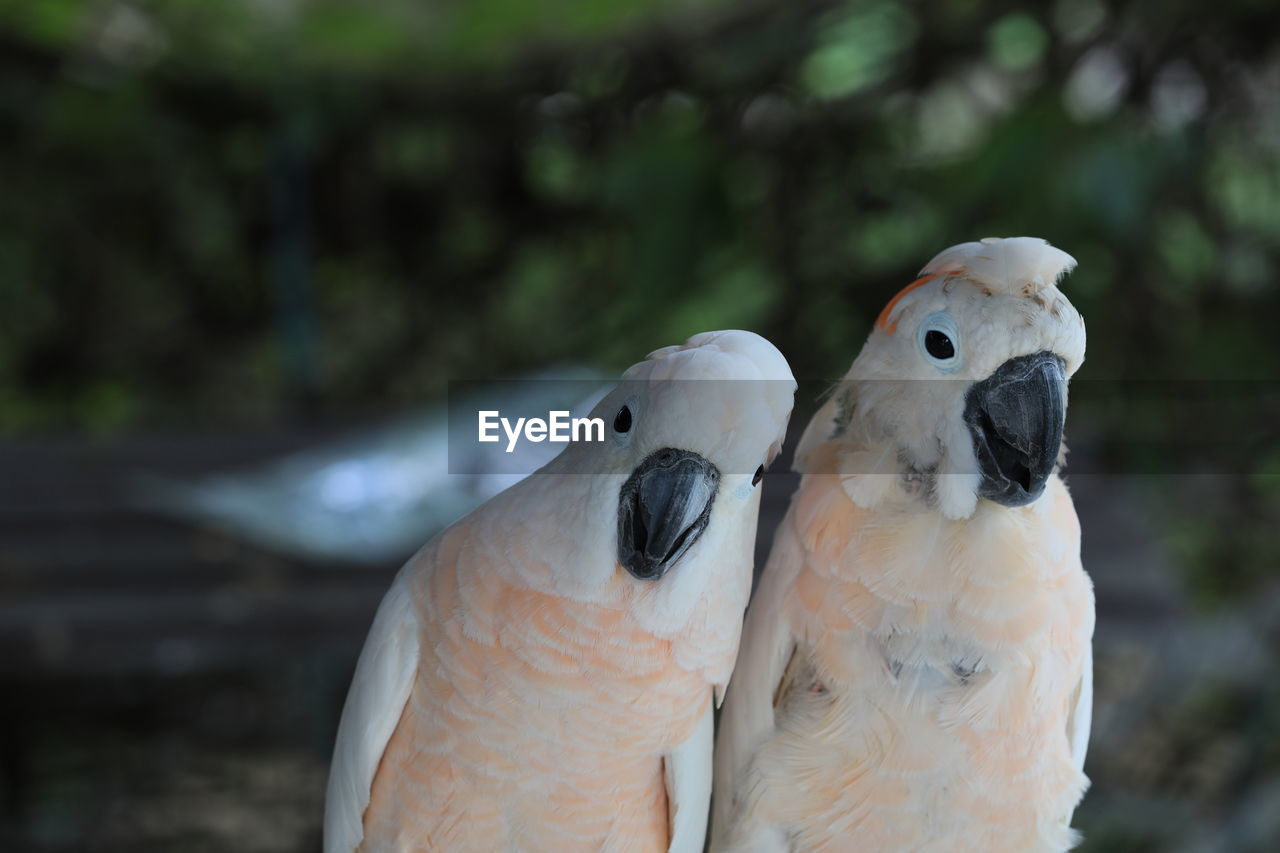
[916, 666]
[540, 677]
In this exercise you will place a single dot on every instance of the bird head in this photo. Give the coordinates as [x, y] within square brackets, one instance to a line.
[960, 392]
[693, 427]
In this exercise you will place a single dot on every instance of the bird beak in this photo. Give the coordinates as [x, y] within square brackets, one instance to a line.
[662, 510]
[1016, 417]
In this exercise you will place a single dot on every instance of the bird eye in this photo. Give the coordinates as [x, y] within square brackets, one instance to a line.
[622, 420]
[938, 345]
[940, 341]
[759, 475]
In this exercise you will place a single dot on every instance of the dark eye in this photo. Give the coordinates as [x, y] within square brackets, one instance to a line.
[938, 345]
[755, 481]
[622, 420]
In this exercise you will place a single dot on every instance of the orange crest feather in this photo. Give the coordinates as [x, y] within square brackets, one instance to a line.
[882, 322]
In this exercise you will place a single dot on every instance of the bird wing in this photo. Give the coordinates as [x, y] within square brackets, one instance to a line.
[688, 778]
[1081, 718]
[381, 686]
[747, 719]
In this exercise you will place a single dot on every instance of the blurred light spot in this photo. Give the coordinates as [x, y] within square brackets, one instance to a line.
[1076, 20]
[738, 291]
[554, 168]
[128, 38]
[992, 90]
[1178, 96]
[893, 239]
[948, 121]
[561, 105]
[1185, 248]
[1017, 41]
[1097, 84]
[346, 486]
[768, 115]
[1245, 187]
[279, 12]
[857, 49]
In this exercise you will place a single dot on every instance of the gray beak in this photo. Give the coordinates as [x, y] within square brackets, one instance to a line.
[662, 510]
[1016, 416]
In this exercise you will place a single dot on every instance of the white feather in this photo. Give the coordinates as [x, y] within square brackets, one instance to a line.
[383, 680]
[748, 720]
[1081, 719]
[1005, 265]
[688, 778]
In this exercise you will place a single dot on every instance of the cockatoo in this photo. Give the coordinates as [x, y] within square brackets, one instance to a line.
[540, 676]
[916, 666]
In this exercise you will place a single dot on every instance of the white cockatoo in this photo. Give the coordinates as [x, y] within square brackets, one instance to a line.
[540, 676]
[916, 666]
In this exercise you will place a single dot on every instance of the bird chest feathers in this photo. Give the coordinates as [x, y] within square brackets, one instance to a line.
[965, 634]
[515, 648]
[923, 603]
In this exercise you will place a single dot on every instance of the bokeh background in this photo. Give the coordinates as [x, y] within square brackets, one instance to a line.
[245, 245]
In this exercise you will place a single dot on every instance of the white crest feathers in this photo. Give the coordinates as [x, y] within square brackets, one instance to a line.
[1013, 265]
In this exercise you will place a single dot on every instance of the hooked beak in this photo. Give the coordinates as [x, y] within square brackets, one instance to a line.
[662, 510]
[1016, 417]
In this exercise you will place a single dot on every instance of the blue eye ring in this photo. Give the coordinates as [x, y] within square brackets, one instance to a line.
[939, 340]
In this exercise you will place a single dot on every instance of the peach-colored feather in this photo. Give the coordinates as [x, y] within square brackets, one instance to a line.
[520, 690]
[915, 671]
[536, 722]
[889, 739]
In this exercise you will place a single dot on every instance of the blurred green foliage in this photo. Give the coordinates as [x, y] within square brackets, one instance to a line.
[227, 211]
[237, 212]
[243, 211]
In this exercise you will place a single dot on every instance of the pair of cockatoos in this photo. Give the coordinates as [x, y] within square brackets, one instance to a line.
[915, 672]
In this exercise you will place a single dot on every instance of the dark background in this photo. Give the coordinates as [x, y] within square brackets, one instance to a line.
[233, 230]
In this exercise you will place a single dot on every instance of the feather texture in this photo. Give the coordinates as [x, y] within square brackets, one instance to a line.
[1010, 265]
[537, 722]
[916, 670]
[383, 680]
[520, 690]
[688, 779]
[937, 689]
